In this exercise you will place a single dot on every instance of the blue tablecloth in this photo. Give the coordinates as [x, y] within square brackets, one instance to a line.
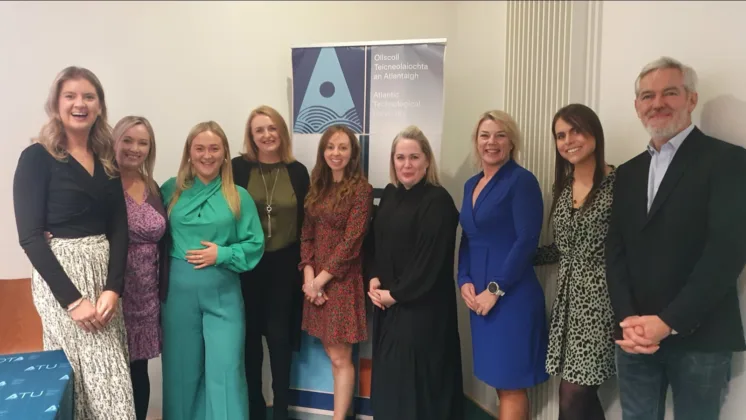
[36, 386]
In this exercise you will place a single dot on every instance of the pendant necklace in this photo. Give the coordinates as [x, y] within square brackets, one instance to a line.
[269, 198]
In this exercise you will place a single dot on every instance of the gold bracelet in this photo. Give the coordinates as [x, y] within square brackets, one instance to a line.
[72, 308]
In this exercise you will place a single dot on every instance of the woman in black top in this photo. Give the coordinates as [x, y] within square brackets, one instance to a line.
[66, 184]
[272, 291]
[416, 352]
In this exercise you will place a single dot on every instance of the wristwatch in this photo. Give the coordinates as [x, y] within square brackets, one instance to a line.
[494, 288]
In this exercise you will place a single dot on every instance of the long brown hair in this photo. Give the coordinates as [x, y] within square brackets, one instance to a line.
[148, 165]
[52, 135]
[185, 177]
[321, 175]
[585, 121]
[251, 152]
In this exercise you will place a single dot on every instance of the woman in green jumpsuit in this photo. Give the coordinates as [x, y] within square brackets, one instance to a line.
[216, 235]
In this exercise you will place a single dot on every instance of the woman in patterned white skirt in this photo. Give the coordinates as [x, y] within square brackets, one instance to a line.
[66, 184]
[581, 343]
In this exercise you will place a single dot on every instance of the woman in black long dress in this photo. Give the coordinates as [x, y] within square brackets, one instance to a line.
[416, 349]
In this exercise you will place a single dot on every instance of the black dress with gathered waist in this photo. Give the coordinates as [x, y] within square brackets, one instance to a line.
[416, 348]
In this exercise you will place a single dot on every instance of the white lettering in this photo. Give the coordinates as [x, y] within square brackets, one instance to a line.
[383, 57]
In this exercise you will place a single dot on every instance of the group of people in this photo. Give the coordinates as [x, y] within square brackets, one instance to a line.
[125, 270]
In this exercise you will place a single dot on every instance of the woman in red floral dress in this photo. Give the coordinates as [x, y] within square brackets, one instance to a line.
[338, 209]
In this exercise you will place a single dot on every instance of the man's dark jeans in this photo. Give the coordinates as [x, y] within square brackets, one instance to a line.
[698, 381]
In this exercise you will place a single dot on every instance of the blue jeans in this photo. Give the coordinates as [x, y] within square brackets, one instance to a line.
[698, 381]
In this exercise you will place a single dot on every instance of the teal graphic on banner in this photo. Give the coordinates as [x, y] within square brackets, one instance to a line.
[325, 90]
[36, 386]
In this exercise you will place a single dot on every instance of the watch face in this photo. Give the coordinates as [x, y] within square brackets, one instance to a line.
[492, 287]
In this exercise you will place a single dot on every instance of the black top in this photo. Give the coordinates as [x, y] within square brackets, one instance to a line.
[164, 245]
[415, 238]
[63, 199]
[416, 340]
[298, 178]
[681, 260]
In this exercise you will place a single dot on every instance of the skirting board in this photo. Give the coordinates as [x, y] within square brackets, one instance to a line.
[310, 405]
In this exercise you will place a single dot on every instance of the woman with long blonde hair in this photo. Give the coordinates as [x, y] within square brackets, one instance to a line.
[134, 147]
[272, 290]
[66, 184]
[216, 234]
[338, 209]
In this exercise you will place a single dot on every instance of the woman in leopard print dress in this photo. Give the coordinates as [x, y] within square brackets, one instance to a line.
[581, 344]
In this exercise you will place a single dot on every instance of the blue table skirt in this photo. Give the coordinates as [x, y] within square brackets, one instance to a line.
[36, 386]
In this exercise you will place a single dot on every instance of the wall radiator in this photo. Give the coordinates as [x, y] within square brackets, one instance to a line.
[552, 60]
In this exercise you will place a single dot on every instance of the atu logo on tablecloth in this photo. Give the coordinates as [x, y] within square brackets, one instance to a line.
[23, 395]
[42, 367]
[11, 359]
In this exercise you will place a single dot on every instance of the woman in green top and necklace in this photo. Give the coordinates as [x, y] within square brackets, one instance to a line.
[272, 291]
[216, 234]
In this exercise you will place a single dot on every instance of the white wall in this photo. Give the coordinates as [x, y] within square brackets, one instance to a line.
[706, 35]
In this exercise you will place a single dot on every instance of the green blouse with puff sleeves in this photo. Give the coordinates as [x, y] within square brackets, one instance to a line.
[202, 214]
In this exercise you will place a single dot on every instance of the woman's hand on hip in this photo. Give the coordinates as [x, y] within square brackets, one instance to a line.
[205, 257]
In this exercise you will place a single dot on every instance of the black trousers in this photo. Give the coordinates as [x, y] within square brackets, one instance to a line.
[273, 303]
[140, 387]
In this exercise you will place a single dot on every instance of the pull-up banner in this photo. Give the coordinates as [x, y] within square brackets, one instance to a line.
[376, 89]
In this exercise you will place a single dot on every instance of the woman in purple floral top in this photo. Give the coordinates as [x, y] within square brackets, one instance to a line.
[134, 143]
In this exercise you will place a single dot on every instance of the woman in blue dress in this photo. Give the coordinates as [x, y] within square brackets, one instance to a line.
[501, 218]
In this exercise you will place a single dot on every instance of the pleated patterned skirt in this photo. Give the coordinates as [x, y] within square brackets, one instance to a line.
[100, 361]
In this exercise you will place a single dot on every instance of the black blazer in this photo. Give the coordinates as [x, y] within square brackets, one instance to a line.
[164, 245]
[681, 260]
[298, 178]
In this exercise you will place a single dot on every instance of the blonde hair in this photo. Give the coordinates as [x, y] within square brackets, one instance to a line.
[509, 126]
[286, 146]
[415, 134]
[148, 165]
[52, 134]
[185, 177]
